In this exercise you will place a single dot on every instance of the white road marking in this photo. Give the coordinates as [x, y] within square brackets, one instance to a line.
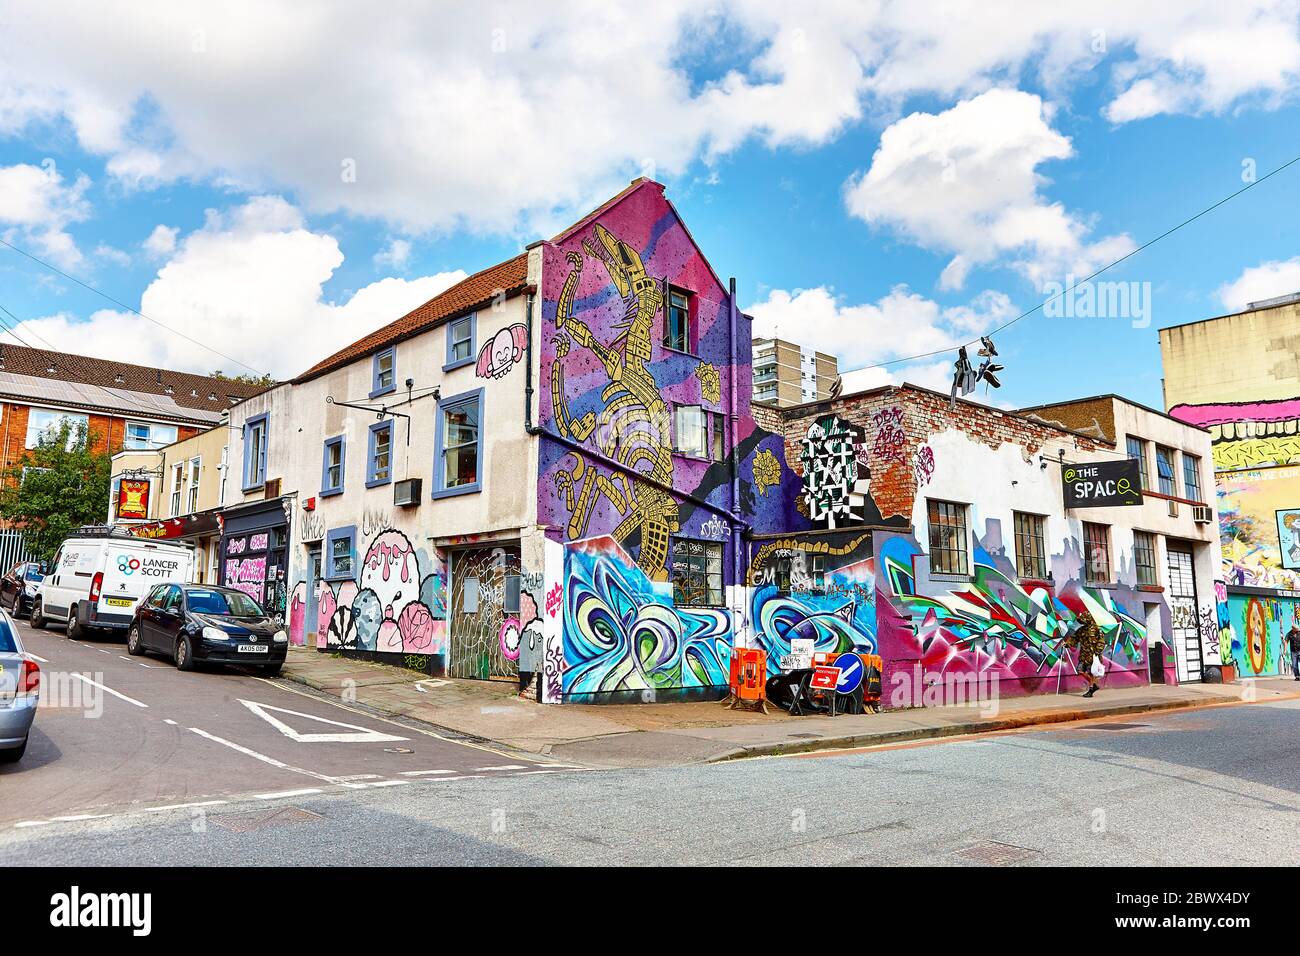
[422, 773]
[172, 722]
[37, 657]
[184, 806]
[288, 793]
[129, 700]
[388, 783]
[527, 772]
[280, 685]
[361, 776]
[81, 816]
[31, 823]
[102, 651]
[468, 776]
[275, 763]
[509, 766]
[354, 733]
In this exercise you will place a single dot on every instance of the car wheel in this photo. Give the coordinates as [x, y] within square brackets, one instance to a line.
[75, 631]
[38, 615]
[184, 655]
[15, 754]
[133, 645]
[273, 670]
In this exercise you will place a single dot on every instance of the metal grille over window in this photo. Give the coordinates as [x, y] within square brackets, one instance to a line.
[697, 573]
[948, 538]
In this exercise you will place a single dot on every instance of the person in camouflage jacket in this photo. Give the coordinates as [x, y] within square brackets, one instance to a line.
[1087, 638]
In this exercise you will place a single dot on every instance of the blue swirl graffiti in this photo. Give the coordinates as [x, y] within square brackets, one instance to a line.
[621, 632]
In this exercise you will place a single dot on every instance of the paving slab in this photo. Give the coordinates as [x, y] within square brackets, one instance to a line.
[646, 735]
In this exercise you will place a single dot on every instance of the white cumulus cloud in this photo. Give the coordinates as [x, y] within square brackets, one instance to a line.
[37, 205]
[1264, 281]
[249, 284]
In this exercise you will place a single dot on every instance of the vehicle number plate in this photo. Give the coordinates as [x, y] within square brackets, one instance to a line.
[254, 649]
[118, 602]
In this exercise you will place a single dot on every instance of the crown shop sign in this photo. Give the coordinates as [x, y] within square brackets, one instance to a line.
[1103, 484]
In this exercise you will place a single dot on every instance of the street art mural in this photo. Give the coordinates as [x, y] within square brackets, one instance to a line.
[396, 606]
[766, 471]
[710, 382]
[816, 590]
[836, 479]
[1257, 540]
[623, 634]
[1248, 434]
[1256, 634]
[502, 352]
[993, 625]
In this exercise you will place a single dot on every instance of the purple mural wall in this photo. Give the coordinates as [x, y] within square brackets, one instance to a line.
[648, 441]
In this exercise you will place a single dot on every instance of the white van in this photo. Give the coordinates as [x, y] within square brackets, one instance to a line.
[96, 579]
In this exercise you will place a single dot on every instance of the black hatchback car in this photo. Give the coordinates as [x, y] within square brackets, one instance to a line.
[18, 587]
[196, 624]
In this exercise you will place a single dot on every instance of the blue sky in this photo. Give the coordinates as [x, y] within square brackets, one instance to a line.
[880, 182]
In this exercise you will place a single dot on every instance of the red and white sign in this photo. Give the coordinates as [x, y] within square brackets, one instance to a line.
[825, 678]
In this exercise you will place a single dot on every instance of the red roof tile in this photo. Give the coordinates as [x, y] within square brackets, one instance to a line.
[474, 292]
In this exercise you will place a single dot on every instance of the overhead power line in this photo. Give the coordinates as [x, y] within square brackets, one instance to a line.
[1150, 242]
[123, 305]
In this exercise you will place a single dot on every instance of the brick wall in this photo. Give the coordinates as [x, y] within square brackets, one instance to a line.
[897, 422]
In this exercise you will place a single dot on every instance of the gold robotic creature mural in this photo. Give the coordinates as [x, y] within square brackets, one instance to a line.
[632, 427]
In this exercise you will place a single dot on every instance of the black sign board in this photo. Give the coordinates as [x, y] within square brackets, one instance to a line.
[1102, 484]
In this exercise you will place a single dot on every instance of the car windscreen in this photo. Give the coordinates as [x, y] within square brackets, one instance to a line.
[7, 645]
[223, 602]
[33, 573]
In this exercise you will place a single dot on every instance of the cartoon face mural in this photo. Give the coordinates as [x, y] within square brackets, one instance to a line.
[390, 609]
[502, 351]
[836, 479]
[391, 572]
[1257, 634]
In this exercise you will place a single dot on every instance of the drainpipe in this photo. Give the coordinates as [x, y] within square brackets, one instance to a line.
[737, 610]
[529, 427]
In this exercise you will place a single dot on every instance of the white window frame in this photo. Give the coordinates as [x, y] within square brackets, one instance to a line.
[194, 477]
[177, 488]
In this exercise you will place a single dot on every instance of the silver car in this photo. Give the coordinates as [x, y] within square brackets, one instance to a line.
[20, 690]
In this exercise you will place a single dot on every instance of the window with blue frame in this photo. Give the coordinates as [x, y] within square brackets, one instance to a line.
[340, 553]
[462, 334]
[331, 469]
[383, 377]
[255, 452]
[457, 460]
[379, 462]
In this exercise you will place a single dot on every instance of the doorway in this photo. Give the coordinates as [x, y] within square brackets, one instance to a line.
[1186, 634]
[479, 607]
[313, 595]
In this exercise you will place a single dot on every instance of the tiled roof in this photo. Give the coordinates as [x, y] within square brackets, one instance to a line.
[185, 389]
[476, 291]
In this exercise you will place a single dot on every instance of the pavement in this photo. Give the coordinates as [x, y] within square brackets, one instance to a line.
[657, 735]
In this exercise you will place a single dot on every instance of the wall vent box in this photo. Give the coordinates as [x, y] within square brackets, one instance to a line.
[407, 493]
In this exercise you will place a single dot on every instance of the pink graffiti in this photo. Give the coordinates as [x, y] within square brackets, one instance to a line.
[923, 465]
[1220, 413]
[553, 601]
[417, 627]
[500, 354]
[890, 439]
[509, 637]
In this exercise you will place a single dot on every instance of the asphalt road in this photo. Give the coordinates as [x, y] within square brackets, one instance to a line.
[1218, 785]
[118, 734]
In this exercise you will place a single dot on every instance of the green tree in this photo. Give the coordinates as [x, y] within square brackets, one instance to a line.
[263, 379]
[59, 485]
